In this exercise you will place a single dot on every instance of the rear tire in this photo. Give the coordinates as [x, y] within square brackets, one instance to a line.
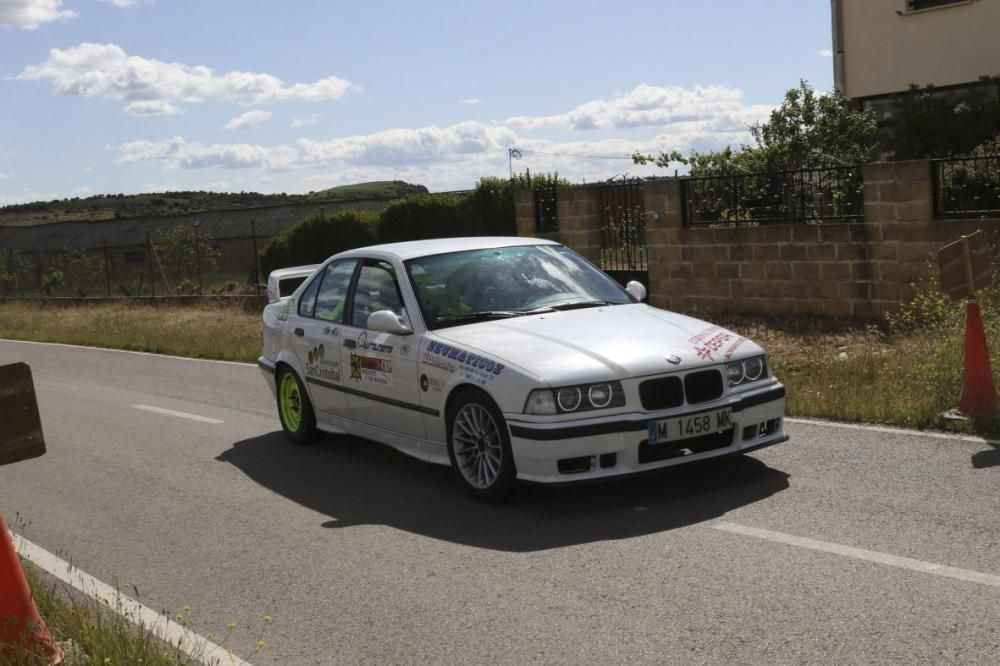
[479, 446]
[295, 412]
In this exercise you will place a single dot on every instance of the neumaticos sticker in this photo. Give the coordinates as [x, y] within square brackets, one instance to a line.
[473, 367]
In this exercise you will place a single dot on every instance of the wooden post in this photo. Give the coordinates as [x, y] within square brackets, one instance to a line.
[107, 269]
[256, 258]
[152, 276]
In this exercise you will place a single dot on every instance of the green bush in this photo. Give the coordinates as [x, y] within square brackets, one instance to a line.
[424, 216]
[487, 211]
[317, 237]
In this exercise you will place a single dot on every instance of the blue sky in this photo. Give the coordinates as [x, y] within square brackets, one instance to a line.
[146, 95]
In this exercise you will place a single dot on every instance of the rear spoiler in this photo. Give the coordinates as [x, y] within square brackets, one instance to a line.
[284, 281]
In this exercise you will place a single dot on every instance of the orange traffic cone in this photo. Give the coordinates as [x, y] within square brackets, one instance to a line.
[21, 627]
[979, 395]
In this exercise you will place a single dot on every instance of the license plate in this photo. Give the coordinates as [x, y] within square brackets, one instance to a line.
[686, 427]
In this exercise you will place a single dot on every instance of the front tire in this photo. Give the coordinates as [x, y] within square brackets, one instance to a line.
[479, 446]
[294, 409]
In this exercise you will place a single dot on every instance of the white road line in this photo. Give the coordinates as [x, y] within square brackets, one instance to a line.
[890, 430]
[196, 646]
[129, 351]
[183, 415]
[862, 554]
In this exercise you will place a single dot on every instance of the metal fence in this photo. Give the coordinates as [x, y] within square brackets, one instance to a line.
[546, 205]
[966, 186]
[171, 262]
[811, 195]
[623, 226]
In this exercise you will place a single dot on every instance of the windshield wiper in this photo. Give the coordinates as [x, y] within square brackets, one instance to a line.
[576, 305]
[488, 315]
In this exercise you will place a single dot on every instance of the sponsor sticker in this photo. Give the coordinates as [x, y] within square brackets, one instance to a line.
[371, 370]
[712, 339]
[372, 346]
[319, 367]
[431, 384]
[473, 367]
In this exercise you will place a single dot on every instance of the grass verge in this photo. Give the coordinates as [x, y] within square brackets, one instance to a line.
[224, 332]
[92, 633]
[905, 371]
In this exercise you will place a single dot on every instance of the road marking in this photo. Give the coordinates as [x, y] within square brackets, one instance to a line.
[183, 415]
[194, 645]
[129, 351]
[862, 554]
[890, 430]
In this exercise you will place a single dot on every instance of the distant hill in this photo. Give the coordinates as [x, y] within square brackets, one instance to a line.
[162, 204]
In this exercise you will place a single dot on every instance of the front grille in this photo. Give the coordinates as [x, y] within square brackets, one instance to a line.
[655, 452]
[661, 393]
[703, 386]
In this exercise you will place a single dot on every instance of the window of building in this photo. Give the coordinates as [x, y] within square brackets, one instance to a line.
[917, 5]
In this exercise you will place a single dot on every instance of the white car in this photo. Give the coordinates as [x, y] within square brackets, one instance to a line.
[510, 359]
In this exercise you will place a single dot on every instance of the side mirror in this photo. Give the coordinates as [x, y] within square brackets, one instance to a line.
[387, 321]
[636, 290]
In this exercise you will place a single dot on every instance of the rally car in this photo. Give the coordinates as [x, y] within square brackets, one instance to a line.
[510, 359]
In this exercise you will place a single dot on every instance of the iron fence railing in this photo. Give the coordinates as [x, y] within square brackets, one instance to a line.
[966, 186]
[546, 204]
[623, 225]
[810, 195]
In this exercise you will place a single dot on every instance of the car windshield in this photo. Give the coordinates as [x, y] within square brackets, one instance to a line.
[479, 285]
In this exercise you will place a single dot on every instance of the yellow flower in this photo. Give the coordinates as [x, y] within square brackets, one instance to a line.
[267, 618]
[231, 625]
[260, 645]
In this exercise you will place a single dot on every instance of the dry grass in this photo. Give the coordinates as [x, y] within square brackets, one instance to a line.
[224, 332]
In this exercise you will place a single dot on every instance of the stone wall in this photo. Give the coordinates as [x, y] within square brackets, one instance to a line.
[847, 270]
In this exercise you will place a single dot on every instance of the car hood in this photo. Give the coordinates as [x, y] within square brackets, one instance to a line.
[595, 344]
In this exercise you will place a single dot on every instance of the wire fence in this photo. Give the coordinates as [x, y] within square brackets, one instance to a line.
[178, 261]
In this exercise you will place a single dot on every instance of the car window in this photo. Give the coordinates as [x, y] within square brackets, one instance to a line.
[510, 280]
[376, 290]
[332, 294]
[307, 302]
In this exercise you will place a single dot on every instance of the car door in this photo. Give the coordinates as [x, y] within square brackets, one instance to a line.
[317, 329]
[383, 389]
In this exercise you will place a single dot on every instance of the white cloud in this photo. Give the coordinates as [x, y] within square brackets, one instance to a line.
[248, 119]
[304, 122]
[83, 191]
[25, 197]
[825, 53]
[126, 4]
[653, 106]
[454, 156]
[5, 176]
[160, 187]
[157, 107]
[29, 14]
[471, 101]
[107, 71]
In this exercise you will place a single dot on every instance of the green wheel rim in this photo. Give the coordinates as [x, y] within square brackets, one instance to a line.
[290, 400]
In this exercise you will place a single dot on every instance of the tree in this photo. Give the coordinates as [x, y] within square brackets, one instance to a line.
[808, 129]
[927, 123]
[81, 270]
[186, 252]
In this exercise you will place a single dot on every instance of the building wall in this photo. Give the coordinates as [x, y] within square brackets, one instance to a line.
[886, 48]
[847, 270]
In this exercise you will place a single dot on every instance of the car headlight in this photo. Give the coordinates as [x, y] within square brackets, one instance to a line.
[748, 370]
[577, 398]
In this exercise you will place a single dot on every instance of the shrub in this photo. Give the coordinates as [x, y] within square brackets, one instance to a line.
[424, 216]
[317, 237]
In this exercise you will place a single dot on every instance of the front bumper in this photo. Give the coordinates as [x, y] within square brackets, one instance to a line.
[592, 449]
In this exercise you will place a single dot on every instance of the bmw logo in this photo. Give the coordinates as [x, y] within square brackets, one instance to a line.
[674, 358]
[423, 383]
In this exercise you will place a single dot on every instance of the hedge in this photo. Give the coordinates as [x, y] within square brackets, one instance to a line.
[487, 211]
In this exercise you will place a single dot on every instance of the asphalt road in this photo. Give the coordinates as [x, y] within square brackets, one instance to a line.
[361, 554]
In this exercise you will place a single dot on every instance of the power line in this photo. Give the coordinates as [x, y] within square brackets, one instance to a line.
[542, 152]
